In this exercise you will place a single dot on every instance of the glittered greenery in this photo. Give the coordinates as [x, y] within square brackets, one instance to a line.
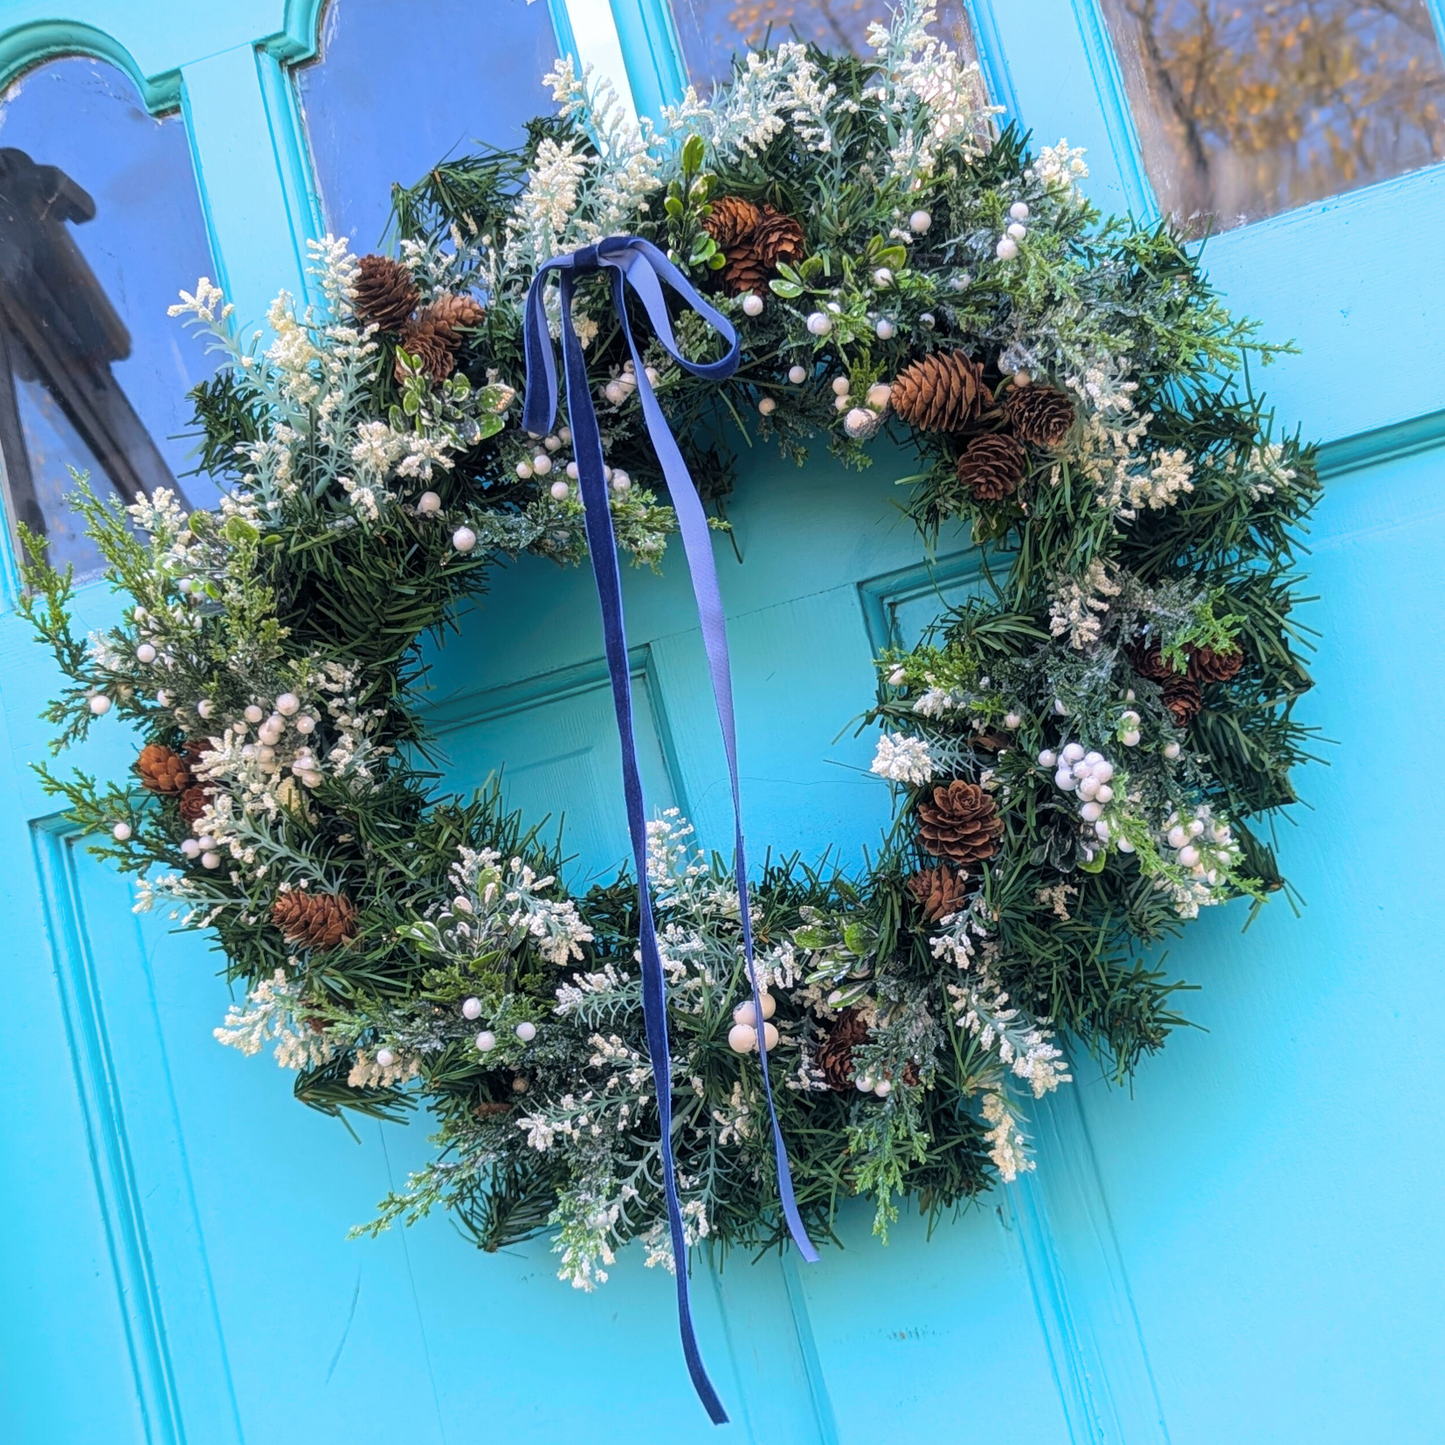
[1115, 699]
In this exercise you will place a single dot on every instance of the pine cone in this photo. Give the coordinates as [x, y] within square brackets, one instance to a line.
[385, 293]
[315, 920]
[745, 271]
[430, 347]
[1039, 415]
[731, 221]
[1207, 665]
[777, 238]
[943, 391]
[449, 315]
[939, 891]
[834, 1059]
[992, 467]
[162, 769]
[1148, 660]
[1182, 697]
[194, 801]
[961, 823]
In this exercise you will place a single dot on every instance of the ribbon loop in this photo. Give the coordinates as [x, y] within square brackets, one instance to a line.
[631, 261]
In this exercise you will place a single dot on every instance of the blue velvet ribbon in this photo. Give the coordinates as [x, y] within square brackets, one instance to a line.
[630, 261]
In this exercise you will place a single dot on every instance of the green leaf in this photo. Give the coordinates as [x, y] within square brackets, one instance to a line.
[489, 425]
[716, 262]
[1096, 863]
[238, 529]
[673, 206]
[894, 257]
[785, 288]
[693, 153]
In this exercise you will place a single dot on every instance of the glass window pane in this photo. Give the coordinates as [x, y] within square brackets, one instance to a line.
[1250, 107]
[713, 31]
[396, 89]
[100, 227]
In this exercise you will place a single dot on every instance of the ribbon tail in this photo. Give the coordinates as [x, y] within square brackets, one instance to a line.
[702, 566]
[587, 451]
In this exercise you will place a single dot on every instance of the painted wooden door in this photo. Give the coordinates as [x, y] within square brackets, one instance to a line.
[1244, 1247]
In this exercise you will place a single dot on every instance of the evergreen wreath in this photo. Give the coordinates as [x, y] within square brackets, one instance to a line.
[1081, 757]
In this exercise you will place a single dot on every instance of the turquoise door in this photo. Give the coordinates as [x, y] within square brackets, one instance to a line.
[1244, 1247]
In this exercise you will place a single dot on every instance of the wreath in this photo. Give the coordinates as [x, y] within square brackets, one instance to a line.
[1081, 757]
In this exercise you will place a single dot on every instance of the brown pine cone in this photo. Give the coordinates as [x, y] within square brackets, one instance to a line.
[939, 891]
[449, 315]
[777, 238]
[943, 391]
[992, 467]
[745, 271]
[315, 920]
[1148, 660]
[1182, 697]
[162, 769]
[385, 293]
[834, 1059]
[430, 347]
[961, 823]
[730, 221]
[1207, 665]
[194, 801]
[1039, 415]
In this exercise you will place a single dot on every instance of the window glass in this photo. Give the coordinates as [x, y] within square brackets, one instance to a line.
[396, 89]
[1250, 107]
[100, 227]
[713, 31]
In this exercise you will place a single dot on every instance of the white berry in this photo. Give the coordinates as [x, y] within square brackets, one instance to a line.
[880, 396]
[797, 375]
[820, 323]
[1066, 781]
[541, 464]
[287, 704]
[928, 320]
[1105, 793]
[752, 304]
[100, 704]
[560, 490]
[253, 714]
[205, 707]
[121, 832]
[1047, 758]
[1012, 721]
[860, 422]
[486, 1041]
[1006, 249]
[919, 222]
[1022, 377]
[1171, 751]
[1189, 855]
[1196, 828]
[1072, 752]
[210, 860]
[897, 677]
[841, 386]
[745, 1013]
[471, 1008]
[742, 1038]
[385, 1058]
[883, 1088]
[767, 405]
[1130, 740]
[524, 470]
[145, 653]
[1091, 812]
[464, 539]
[1125, 846]
[1018, 231]
[1177, 837]
[189, 847]
[620, 480]
[1088, 787]
[428, 503]
[1101, 829]
[551, 443]
[1019, 210]
[886, 329]
[1103, 770]
[864, 1084]
[526, 1031]
[770, 1035]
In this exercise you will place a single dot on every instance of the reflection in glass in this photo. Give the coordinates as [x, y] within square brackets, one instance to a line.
[100, 226]
[713, 31]
[1250, 107]
[396, 89]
